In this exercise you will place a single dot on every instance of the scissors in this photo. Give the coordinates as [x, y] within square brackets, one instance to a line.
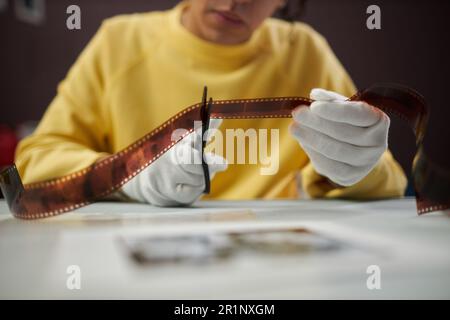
[205, 112]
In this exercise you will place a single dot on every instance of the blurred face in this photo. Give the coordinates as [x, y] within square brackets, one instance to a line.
[227, 21]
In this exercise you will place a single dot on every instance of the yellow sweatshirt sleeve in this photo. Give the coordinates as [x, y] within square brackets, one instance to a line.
[72, 134]
[387, 179]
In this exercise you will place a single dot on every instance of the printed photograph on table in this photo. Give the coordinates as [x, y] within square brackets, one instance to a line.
[201, 248]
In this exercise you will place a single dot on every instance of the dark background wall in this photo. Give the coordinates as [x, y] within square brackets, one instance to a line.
[411, 48]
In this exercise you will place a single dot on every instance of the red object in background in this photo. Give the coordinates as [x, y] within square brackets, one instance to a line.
[8, 143]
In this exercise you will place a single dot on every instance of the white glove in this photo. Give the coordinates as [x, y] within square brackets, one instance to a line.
[343, 139]
[176, 178]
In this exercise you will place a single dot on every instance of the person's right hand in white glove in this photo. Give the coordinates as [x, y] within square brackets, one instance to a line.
[177, 177]
[343, 139]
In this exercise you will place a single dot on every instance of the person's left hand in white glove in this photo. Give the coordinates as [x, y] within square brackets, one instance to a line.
[176, 178]
[343, 139]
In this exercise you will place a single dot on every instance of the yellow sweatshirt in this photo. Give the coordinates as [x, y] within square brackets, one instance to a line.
[140, 69]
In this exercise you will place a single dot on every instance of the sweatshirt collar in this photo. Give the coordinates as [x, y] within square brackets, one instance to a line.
[196, 47]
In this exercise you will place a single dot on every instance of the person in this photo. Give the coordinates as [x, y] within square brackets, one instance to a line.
[141, 69]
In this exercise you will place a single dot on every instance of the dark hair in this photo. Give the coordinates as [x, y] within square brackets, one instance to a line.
[292, 11]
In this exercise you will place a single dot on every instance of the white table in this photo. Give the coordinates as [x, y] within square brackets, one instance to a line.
[413, 252]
